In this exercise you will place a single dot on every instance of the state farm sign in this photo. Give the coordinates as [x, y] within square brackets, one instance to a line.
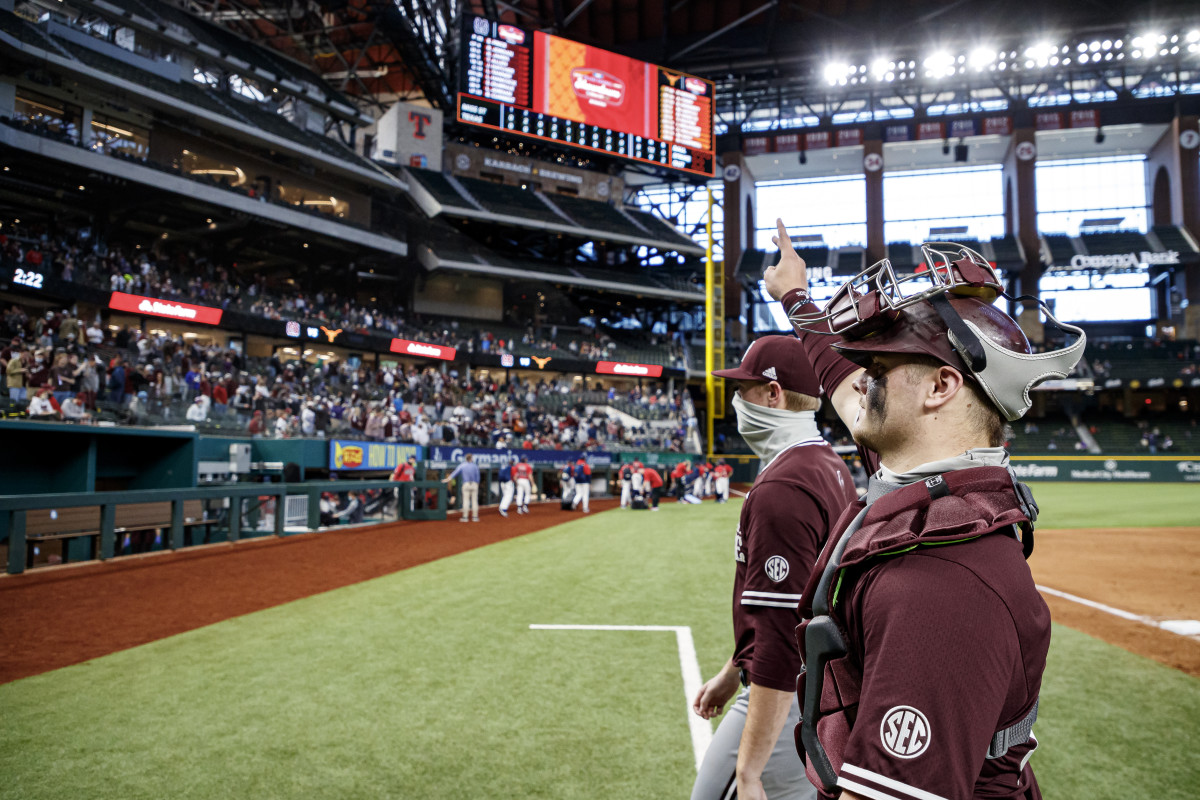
[423, 349]
[633, 370]
[152, 307]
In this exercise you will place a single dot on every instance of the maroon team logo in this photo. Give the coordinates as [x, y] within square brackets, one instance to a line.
[904, 732]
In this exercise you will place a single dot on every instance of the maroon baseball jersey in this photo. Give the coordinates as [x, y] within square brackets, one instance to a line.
[942, 665]
[784, 524]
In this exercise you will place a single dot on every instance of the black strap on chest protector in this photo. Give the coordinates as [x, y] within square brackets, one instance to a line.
[824, 642]
[1029, 508]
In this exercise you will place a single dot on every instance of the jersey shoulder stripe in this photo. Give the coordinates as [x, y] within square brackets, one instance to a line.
[750, 601]
[881, 786]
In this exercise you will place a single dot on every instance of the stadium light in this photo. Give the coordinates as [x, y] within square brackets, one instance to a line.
[939, 65]
[1040, 54]
[879, 68]
[836, 72]
[981, 57]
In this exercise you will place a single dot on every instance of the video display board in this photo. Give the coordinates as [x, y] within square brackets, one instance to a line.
[533, 84]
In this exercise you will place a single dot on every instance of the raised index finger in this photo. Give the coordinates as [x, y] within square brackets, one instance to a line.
[782, 239]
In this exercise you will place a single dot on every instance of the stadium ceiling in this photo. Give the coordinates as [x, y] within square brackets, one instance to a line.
[376, 51]
[777, 63]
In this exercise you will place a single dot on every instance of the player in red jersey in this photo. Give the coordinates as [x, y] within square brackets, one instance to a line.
[802, 487]
[523, 476]
[405, 472]
[677, 475]
[926, 637]
[651, 478]
[721, 475]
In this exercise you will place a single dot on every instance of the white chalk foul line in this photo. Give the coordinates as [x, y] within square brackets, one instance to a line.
[1182, 627]
[689, 667]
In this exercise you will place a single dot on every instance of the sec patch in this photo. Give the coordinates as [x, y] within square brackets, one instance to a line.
[777, 568]
[904, 732]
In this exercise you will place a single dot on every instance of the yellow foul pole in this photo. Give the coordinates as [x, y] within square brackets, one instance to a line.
[709, 309]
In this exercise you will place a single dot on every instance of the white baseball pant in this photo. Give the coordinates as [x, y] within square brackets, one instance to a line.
[583, 491]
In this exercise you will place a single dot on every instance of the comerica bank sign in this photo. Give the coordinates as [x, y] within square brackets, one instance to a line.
[1125, 260]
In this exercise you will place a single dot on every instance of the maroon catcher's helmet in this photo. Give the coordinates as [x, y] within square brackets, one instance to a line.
[946, 315]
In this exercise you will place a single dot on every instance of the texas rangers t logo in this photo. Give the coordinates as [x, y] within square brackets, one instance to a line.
[904, 732]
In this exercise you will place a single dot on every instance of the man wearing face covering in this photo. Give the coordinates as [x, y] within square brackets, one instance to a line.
[801, 489]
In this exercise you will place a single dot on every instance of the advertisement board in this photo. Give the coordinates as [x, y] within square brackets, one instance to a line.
[1102, 469]
[353, 455]
[405, 347]
[530, 83]
[441, 456]
[658, 458]
[168, 309]
[628, 369]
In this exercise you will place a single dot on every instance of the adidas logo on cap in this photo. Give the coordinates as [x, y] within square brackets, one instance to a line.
[769, 373]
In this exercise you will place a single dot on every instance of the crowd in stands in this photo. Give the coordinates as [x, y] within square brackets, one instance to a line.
[59, 367]
[187, 275]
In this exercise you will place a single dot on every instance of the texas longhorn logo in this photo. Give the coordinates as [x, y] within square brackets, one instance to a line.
[541, 362]
[330, 335]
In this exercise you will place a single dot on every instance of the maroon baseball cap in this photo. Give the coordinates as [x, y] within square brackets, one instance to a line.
[776, 358]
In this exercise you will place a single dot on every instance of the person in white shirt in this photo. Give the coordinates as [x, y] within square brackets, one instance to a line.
[420, 432]
[40, 406]
[196, 411]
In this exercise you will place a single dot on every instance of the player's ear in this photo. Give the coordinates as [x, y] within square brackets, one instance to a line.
[775, 396]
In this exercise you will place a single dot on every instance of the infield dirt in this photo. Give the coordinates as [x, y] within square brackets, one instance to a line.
[1152, 572]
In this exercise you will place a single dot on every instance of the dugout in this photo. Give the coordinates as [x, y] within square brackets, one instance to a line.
[45, 457]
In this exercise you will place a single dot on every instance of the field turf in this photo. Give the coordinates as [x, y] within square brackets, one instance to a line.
[428, 683]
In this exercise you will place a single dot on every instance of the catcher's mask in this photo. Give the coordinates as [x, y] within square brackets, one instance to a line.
[944, 310]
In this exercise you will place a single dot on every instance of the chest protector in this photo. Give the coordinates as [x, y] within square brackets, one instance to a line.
[942, 510]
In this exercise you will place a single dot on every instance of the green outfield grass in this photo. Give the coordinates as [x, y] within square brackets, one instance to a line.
[1117, 505]
[429, 684]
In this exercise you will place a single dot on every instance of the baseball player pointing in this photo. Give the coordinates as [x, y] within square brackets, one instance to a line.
[801, 489]
[925, 638]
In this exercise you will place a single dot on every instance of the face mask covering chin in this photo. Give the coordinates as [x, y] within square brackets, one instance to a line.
[768, 431]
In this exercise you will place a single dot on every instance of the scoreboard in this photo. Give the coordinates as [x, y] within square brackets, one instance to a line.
[533, 84]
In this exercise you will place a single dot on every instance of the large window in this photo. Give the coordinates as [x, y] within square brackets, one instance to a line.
[47, 116]
[769, 314]
[1099, 298]
[685, 206]
[117, 137]
[1072, 192]
[917, 203]
[833, 208]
